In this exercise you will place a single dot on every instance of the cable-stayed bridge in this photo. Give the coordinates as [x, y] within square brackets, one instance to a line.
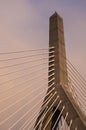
[40, 89]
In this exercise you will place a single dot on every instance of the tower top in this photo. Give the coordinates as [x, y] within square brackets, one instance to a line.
[55, 15]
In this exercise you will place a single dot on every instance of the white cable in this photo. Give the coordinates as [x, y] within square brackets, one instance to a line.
[74, 78]
[51, 79]
[27, 56]
[70, 125]
[25, 114]
[25, 69]
[26, 123]
[63, 123]
[58, 117]
[21, 90]
[52, 115]
[19, 108]
[73, 68]
[45, 101]
[40, 49]
[13, 65]
[22, 83]
[77, 76]
[45, 113]
[23, 98]
[25, 75]
[27, 81]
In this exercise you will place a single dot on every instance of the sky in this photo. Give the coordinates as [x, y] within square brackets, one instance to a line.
[24, 24]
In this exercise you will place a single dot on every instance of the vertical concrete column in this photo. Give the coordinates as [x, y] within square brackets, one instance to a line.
[56, 39]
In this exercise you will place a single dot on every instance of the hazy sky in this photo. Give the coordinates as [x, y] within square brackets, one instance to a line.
[24, 24]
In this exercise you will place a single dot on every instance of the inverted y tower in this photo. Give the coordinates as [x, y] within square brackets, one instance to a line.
[56, 40]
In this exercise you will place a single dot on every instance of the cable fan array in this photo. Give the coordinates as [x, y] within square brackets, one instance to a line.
[76, 85]
[23, 85]
[25, 78]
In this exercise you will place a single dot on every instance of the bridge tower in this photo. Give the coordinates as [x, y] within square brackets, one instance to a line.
[56, 39]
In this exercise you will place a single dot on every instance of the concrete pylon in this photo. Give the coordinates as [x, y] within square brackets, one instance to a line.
[56, 40]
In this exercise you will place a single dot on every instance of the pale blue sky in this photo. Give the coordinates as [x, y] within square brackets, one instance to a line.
[25, 24]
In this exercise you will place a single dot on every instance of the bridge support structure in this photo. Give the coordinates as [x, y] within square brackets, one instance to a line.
[56, 40]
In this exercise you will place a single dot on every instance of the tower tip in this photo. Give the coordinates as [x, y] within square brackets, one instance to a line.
[55, 15]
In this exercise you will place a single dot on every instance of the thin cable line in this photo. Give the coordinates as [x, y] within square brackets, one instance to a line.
[76, 80]
[51, 75]
[45, 113]
[70, 125]
[73, 68]
[3, 67]
[2, 122]
[23, 82]
[76, 128]
[78, 101]
[44, 103]
[40, 111]
[12, 95]
[75, 92]
[25, 114]
[51, 80]
[21, 90]
[76, 76]
[77, 72]
[26, 68]
[58, 116]
[46, 100]
[25, 75]
[52, 115]
[26, 123]
[23, 98]
[80, 90]
[51, 70]
[63, 123]
[3, 53]
[27, 81]
[24, 57]
[36, 113]
[76, 85]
